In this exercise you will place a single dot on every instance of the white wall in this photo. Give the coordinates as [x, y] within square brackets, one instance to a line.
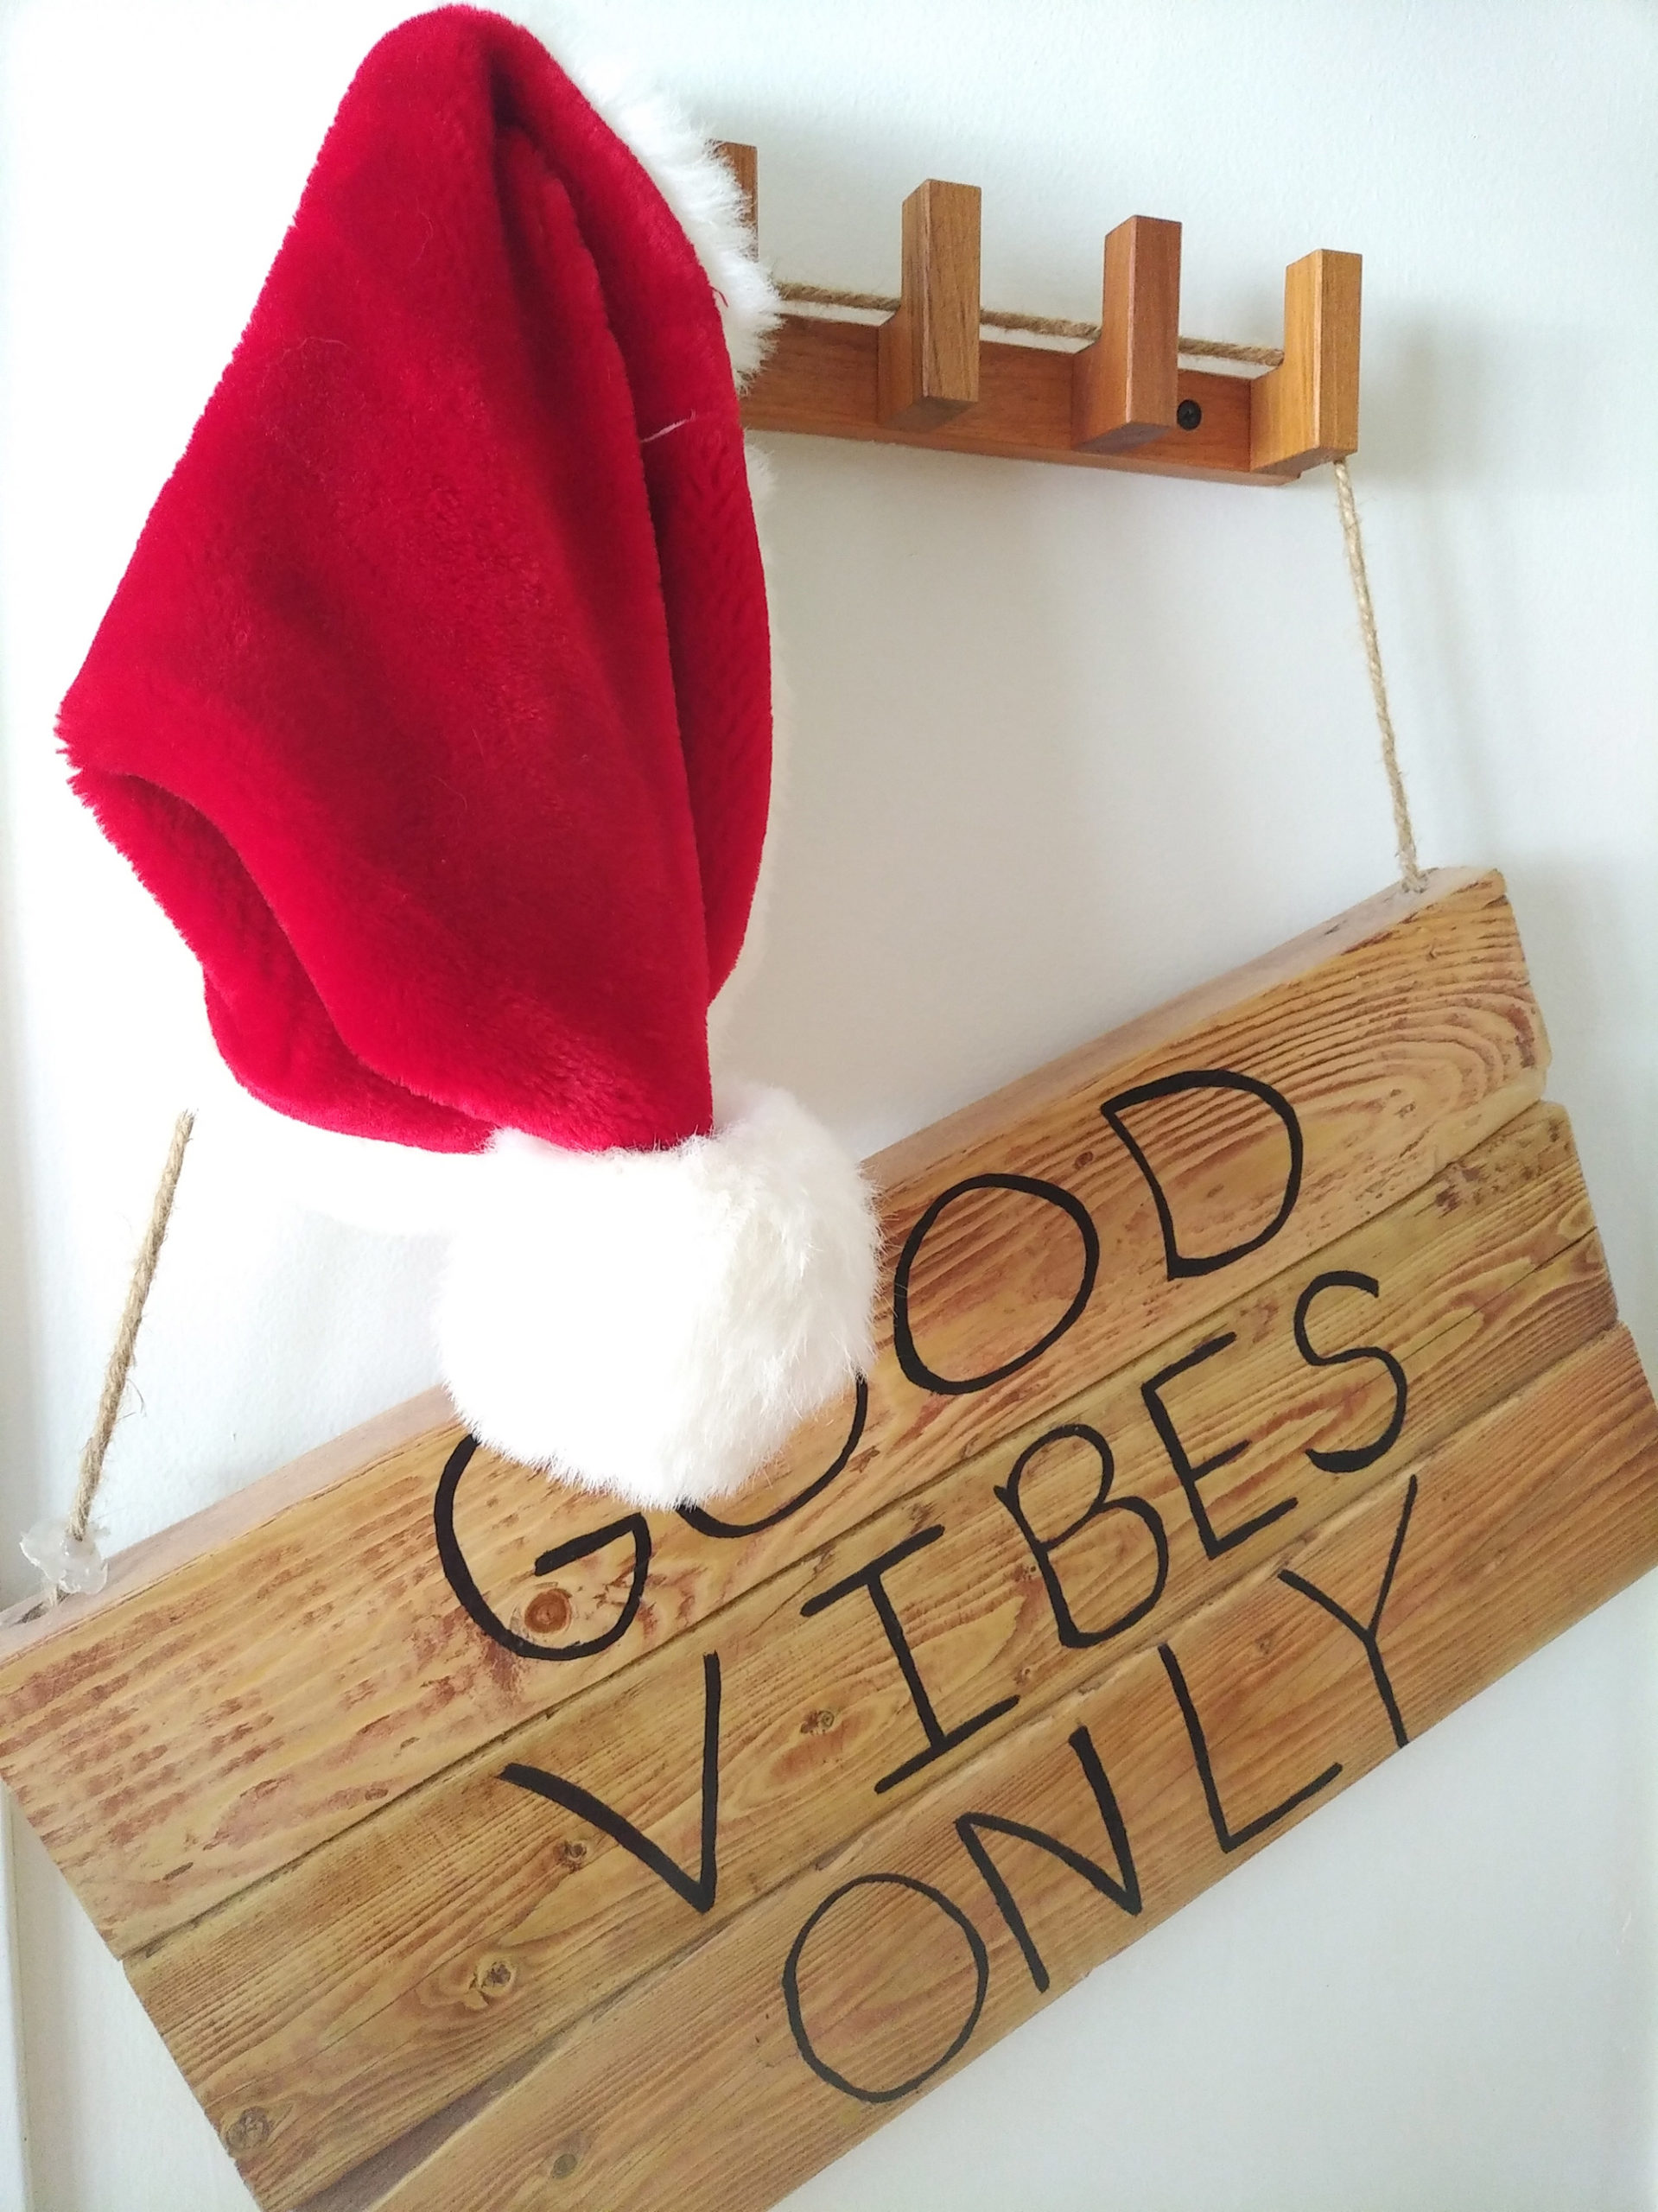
[1064, 743]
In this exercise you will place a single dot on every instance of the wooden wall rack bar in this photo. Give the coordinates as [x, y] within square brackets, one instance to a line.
[927, 377]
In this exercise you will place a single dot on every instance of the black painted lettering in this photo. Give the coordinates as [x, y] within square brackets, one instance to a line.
[1214, 1541]
[705, 1525]
[904, 1342]
[977, 1950]
[940, 1739]
[1368, 1633]
[1042, 1548]
[1170, 1086]
[1364, 1455]
[698, 1890]
[1123, 1887]
[1229, 1838]
[460, 1576]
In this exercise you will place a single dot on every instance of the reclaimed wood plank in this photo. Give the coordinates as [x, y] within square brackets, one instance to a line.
[907, 1961]
[258, 1680]
[396, 1969]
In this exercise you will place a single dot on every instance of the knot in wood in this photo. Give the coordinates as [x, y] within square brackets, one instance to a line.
[249, 2131]
[548, 1611]
[495, 1975]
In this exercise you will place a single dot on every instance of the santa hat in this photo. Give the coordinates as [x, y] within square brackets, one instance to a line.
[434, 709]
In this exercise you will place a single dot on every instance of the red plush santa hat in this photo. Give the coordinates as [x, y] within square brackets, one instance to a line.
[434, 709]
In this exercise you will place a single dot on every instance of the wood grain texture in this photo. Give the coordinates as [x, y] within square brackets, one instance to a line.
[394, 1970]
[1307, 410]
[927, 355]
[692, 2087]
[1125, 387]
[744, 162]
[821, 379]
[267, 1675]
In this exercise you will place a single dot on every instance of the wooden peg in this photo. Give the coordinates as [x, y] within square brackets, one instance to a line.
[1307, 411]
[1124, 387]
[744, 164]
[927, 368]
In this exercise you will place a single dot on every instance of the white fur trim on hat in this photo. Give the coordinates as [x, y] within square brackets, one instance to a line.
[656, 1324]
[695, 183]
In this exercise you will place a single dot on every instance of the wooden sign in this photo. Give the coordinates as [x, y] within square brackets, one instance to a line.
[1249, 1393]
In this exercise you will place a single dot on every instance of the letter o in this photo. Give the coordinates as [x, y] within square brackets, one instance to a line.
[791, 1986]
[904, 1336]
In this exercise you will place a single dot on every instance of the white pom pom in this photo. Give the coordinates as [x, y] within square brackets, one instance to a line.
[656, 1324]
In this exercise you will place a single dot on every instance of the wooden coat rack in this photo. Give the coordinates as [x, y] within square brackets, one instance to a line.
[927, 377]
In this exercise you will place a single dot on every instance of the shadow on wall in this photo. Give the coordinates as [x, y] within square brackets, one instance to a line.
[19, 1388]
[1010, 794]
[927, 782]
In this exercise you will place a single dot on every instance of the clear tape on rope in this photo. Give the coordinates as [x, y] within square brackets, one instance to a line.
[72, 1565]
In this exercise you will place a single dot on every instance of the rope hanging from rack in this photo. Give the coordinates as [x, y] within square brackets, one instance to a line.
[1410, 870]
[64, 1552]
[126, 1337]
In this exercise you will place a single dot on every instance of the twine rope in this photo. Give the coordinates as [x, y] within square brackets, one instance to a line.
[1043, 326]
[126, 1337]
[1410, 870]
